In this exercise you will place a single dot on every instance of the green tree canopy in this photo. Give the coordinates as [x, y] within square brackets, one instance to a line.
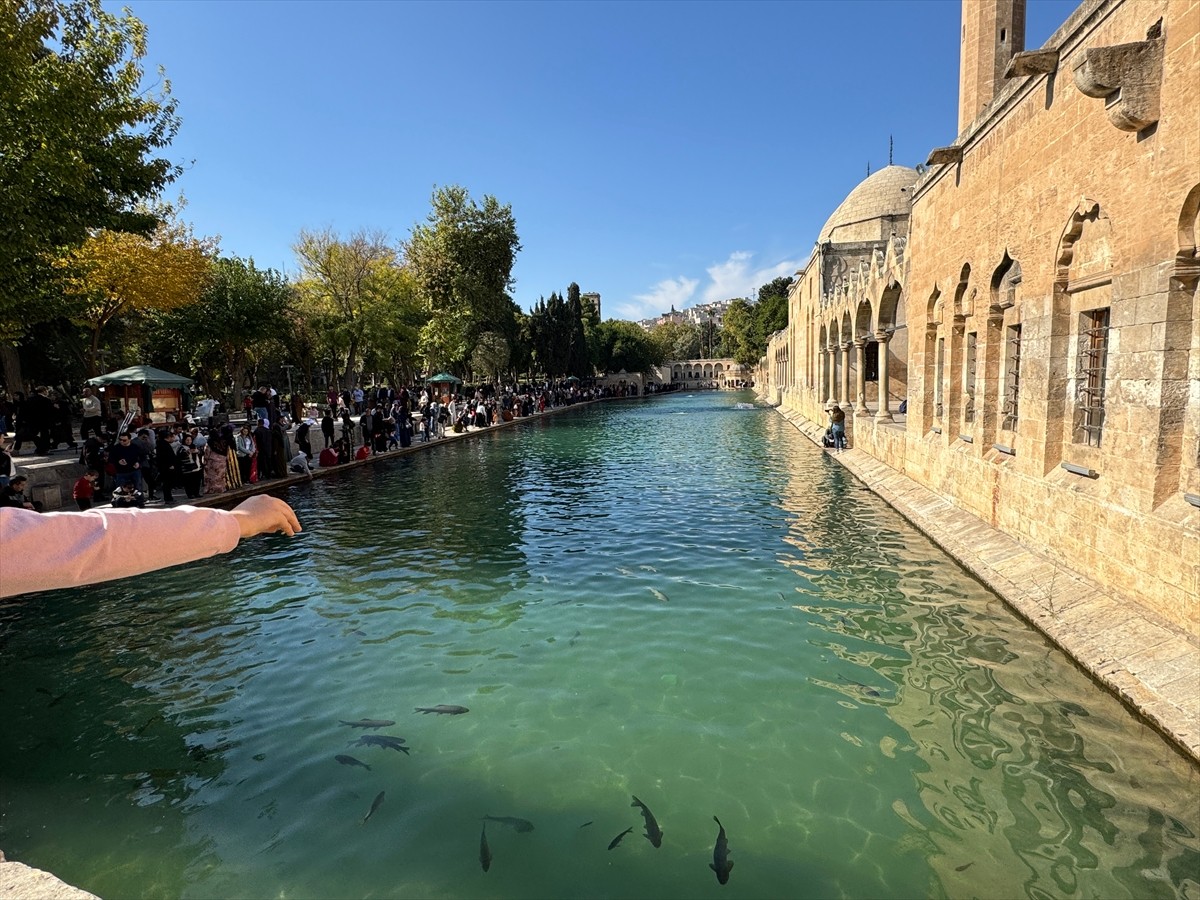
[240, 315]
[628, 346]
[462, 259]
[342, 282]
[79, 138]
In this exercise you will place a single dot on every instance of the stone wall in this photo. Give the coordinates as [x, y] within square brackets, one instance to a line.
[1062, 224]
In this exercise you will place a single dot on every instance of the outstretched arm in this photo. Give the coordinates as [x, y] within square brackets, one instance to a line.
[40, 552]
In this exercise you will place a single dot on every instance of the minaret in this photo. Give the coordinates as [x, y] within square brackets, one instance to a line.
[992, 32]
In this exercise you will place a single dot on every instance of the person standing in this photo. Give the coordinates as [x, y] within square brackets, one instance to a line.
[189, 466]
[168, 465]
[262, 446]
[327, 427]
[245, 449]
[150, 463]
[215, 462]
[85, 489]
[7, 467]
[837, 423]
[92, 421]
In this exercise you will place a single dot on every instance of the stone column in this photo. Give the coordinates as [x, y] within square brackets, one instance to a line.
[844, 389]
[860, 389]
[831, 364]
[885, 407]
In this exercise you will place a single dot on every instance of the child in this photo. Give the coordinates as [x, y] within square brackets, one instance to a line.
[85, 489]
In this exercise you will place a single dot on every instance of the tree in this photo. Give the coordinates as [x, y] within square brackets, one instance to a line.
[579, 363]
[116, 273]
[773, 306]
[342, 281]
[677, 340]
[626, 345]
[224, 333]
[79, 134]
[741, 340]
[462, 258]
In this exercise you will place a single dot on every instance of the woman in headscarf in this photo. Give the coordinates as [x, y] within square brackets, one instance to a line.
[281, 450]
[189, 466]
[216, 464]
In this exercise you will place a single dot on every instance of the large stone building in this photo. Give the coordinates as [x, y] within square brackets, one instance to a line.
[1017, 327]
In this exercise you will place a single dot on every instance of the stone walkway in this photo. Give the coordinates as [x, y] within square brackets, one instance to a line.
[19, 882]
[1150, 664]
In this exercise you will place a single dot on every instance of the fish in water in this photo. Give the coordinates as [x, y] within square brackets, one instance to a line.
[522, 825]
[375, 804]
[586, 824]
[721, 864]
[648, 568]
[653, 832]
[351, 761]
[381, 740]
[442, 710]
[964, 866]
[617, 839]
[369, 723]
[625, 572]
[659, 595]
[865, 688]
[485, 852]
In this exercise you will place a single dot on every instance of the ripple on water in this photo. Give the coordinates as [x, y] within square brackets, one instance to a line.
[746, 633]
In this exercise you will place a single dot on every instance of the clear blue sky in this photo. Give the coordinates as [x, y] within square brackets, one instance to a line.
[659, 153]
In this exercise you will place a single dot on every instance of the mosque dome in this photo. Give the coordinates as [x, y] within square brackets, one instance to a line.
[879, 205]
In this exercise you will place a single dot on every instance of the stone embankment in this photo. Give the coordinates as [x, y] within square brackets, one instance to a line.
[1151, 665]
[19, 882]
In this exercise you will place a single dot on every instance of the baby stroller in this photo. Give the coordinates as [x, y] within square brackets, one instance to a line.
[126, 496]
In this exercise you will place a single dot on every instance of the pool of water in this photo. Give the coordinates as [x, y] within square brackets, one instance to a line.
[674, 599]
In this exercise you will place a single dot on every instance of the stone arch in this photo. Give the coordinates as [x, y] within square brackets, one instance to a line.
[863, 319]
[1001, 353]
[1183, 305]
[1187, 259]
[962, 299]
[1085, 248]
[891, 322]
[952, 350]
[929, 369]
[1082, 280]
[1005, 281]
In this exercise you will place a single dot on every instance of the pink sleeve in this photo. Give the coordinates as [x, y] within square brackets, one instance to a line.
[42, 551]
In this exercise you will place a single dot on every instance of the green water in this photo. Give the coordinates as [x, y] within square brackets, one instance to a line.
[673, 599]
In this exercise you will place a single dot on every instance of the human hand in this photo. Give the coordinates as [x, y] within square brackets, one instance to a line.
[263, 514]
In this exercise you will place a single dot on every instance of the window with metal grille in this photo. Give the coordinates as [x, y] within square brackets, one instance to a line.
[1012, 378]
[969, 388]
[937, 383]
[1090, 374]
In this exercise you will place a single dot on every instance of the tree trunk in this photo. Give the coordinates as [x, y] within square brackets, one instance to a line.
[94, 353]
[13, 380]
[348, 379]
[237, 372]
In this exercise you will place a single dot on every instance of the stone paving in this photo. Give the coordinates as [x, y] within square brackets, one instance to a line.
[1149, 663]
[20, 882]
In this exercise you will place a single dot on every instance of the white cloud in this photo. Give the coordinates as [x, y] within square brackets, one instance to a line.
[659, 299]
[735, 278]
[732, 278]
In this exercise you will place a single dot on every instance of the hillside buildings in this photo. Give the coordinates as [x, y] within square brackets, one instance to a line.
[1017, 327]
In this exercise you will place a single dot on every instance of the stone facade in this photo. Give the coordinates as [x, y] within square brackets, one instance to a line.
[1035, 314]
[701, 373]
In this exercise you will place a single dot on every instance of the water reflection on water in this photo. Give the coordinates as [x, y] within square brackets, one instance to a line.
[673, 599]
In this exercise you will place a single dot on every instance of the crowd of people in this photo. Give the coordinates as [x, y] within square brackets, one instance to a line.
[142, 463]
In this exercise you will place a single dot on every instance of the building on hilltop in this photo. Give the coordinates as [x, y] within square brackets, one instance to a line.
[1017, 328]
[592, 299]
